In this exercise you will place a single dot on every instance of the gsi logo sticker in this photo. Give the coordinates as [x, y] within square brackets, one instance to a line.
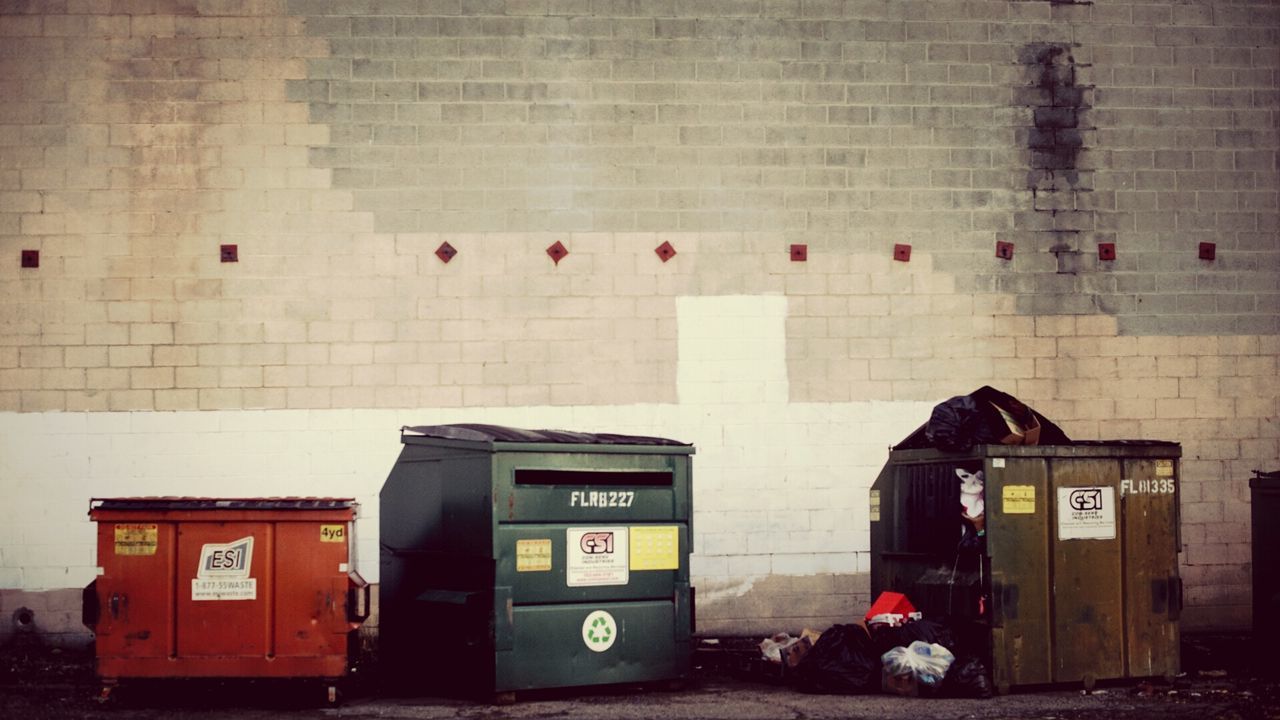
[597, 556]
[596, 543]
[1086, 499]
[1086, 513]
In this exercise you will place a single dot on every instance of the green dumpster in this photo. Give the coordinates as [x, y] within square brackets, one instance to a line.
[1264, 497]
[1075, 577]
[519, 559]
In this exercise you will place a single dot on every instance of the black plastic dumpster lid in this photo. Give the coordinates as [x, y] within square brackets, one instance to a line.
[1050, 434]
[474, 432]
[1265, 480]
[197, 503]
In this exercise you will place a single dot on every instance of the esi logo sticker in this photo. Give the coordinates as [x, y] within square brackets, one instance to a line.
[599, 631]
[223, 573]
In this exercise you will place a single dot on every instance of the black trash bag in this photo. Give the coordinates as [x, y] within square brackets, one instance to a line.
[967, 420]
[960, 423]
[970, 540]
[967, 678]
[842, 661]
[886, 638]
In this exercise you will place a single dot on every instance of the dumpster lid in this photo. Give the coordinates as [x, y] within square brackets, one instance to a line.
[475, 432]
[1265, 480]
[199, 503]
[1124, 443]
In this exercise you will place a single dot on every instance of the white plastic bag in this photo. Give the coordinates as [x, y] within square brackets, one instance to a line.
[915, 669]
[772, 648]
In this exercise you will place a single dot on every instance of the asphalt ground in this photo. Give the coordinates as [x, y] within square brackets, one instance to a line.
[1220, 680]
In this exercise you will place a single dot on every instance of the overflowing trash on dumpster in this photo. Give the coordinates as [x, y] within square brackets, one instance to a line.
[1004, 554]
[1049, 560]
[894, 649]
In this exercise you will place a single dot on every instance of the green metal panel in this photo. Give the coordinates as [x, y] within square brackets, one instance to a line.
[1017, 521]
[551, 584]
[574, 487]
[550, 649]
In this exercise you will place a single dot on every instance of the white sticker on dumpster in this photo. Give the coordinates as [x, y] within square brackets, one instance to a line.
[223, 573]
[1086, 513]
[597, 556]
[599, 631]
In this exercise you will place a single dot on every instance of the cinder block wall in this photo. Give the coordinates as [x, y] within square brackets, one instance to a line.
[339, 145]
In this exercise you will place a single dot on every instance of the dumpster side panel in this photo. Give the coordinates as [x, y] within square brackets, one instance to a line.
[1088, 602]
[1153, 600]
[880, 499]
[436, 585]
[136, 590]
[1018, 512]
[1264, 496]
[311, 589]
[410, 503]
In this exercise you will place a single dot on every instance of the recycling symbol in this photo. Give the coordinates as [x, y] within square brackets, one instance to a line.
[599, 631]
[606, 632]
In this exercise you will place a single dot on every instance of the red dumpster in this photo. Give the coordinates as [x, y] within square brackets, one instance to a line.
[203, 587]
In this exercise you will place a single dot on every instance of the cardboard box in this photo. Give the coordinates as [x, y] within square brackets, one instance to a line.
[899, 684]
[793, 653]
[1025, 431]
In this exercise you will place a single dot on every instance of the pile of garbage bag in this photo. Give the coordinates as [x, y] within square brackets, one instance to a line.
[898, 653]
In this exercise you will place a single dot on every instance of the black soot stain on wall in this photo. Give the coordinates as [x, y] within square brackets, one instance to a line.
[1058, 104]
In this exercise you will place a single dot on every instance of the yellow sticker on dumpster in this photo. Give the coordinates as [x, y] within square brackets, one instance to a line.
[333, 533]
[136, 539]
[533, 555]
[655, 548]
[1019, 500]
[1164, 468]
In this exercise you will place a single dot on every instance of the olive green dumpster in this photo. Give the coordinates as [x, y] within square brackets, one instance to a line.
[1074, 577]
[519, 559]
[1264, 500]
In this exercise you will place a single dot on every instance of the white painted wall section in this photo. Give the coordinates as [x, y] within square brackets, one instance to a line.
[780, 488]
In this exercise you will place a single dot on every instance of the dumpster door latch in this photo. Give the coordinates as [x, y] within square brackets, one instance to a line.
[1175, 598]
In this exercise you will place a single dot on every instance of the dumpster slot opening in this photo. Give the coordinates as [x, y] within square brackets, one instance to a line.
[629, 478]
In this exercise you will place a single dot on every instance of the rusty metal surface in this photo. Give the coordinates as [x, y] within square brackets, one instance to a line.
[1153, 602]
[1087, 586]
[1075, 595]
[211, 588]
[1018, 544]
